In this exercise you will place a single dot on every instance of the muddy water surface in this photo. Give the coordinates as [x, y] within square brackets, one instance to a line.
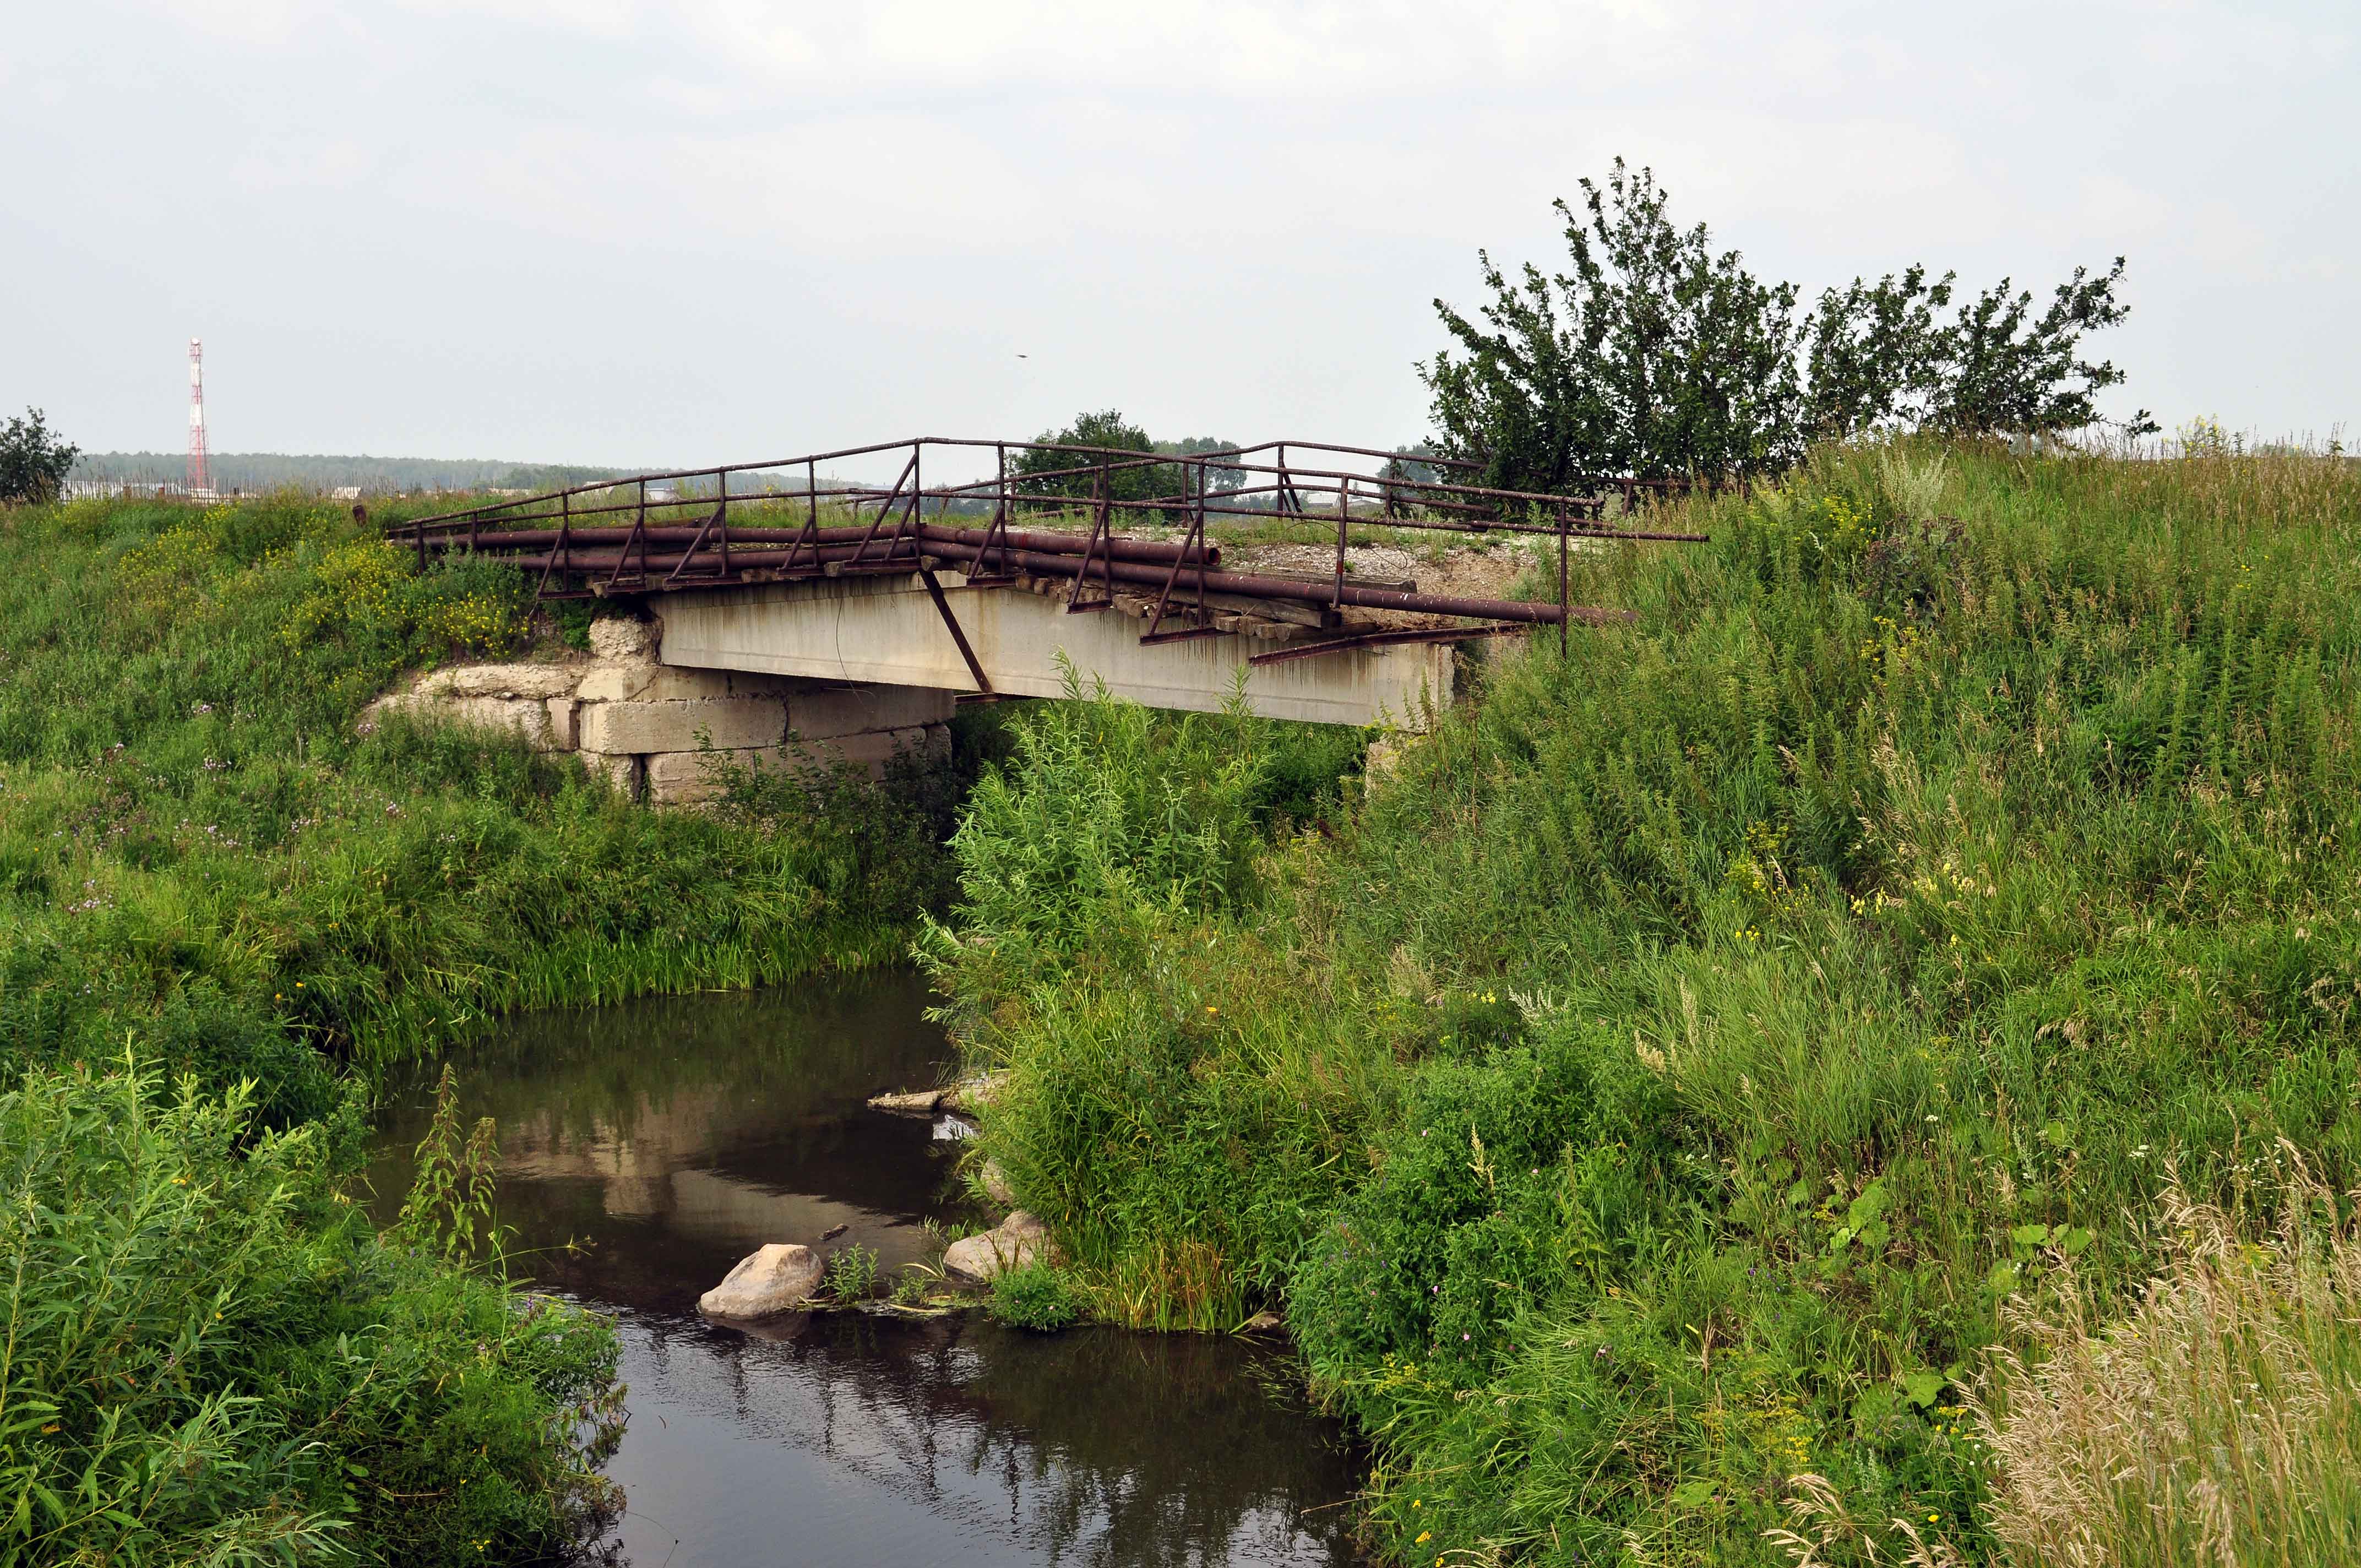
[668, 1138]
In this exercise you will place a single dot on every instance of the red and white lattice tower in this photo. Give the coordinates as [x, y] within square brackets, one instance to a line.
[197, 416]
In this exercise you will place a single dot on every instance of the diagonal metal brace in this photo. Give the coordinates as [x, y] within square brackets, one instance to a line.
[943, 607]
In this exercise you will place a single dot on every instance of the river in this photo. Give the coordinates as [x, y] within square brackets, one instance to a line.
[646, 1147]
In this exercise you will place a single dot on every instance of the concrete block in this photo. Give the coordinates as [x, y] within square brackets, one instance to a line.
[679, 778]
[643, 727]
[527, 719]
[875, 748]
[880, 630]
[625, 775]
[621, 637]
[501, 680]
[653, 683]
[563, 727]
[824, 713]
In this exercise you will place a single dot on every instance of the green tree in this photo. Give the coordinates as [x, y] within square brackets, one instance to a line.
[1042, 470]
[2003, 371]
[1881, 357]
[1221, 479]
[34, 463]
[1652, 356]
[1655, 356]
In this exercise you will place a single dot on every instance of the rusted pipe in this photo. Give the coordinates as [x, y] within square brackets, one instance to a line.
[741, 537]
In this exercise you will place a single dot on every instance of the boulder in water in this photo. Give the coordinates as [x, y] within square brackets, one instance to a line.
[777, 1279]
[972, 1095]
[922, 1103]
[1020, 1239]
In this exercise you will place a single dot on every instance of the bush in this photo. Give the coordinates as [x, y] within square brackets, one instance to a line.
[213, 1358]
[1037, 1296]
[33, 462]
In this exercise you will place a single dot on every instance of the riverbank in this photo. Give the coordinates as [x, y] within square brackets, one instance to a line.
[1668, 1101]
[213, 874]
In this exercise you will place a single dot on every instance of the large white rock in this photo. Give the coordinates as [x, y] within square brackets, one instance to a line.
[503, 680]
[1021, 1239]
[545, 724]
[621, 637]
[777, 1278]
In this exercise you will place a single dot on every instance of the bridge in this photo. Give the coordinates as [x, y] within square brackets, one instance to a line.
[1137, 571]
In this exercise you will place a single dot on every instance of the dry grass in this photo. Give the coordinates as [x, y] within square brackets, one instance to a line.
[2220, 1424]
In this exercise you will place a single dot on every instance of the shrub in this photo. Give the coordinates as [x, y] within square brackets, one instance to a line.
[213, 1358]
[33, 462]
[1037, 1296]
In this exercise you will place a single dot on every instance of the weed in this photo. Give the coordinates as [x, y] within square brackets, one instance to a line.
[852, 1274]
[1037, 1296]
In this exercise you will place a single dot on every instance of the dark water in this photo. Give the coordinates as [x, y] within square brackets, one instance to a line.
[674, 1135]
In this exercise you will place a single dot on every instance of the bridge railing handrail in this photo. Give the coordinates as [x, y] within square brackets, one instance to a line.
[1114, 460]
[995, 556]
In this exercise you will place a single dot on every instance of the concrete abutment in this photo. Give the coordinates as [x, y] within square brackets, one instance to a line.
[657, 732]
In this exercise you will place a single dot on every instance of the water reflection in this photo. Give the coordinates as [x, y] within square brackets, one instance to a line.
[674, 1135]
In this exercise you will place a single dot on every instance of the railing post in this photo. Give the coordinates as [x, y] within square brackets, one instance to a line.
[1343, 519]
[1564, 594]
[721, 518]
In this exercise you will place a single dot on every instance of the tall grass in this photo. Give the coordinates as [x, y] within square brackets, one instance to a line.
[202, 842]
[214, 875]
[209, 1356]
[2218, 1423]
[1654, 1092]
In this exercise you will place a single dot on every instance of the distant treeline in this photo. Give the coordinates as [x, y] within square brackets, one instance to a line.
[274, 470]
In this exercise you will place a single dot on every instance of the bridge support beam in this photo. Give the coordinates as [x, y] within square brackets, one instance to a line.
[887, 631]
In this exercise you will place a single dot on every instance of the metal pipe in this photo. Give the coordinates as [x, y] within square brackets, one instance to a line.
[1045, 541]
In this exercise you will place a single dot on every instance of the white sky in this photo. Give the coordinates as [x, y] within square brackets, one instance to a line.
[622, 232]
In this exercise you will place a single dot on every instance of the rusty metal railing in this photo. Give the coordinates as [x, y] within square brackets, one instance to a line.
[615, 538]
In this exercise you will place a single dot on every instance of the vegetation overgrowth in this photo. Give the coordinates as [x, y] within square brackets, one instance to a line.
[220, 886]
[211, 1357]
[1667, 1101]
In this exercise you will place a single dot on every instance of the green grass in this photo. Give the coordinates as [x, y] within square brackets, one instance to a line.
[214, 874]
[201, 843]
[1650, 1099]
[211, 1357]
[1037, 1297]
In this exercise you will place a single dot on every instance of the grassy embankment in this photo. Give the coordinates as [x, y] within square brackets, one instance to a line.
[1671, 1103]
[208, 874]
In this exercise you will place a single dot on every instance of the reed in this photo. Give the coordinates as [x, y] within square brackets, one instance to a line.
[2217, 1423]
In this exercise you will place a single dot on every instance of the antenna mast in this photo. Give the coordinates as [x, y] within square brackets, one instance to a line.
[197, 480]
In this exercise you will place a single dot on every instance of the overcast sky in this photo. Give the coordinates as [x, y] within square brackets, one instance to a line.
[615, 232]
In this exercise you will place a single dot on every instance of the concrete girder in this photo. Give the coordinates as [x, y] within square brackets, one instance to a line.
[886, 631]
